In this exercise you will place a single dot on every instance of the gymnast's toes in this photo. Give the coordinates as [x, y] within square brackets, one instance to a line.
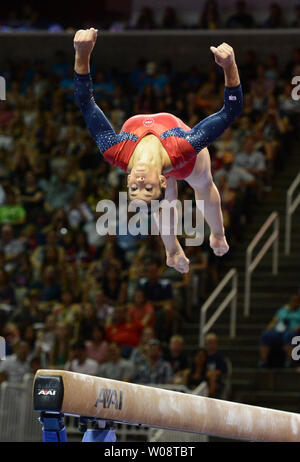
[220, 251]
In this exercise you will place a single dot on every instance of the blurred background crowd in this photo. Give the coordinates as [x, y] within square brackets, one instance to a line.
[108, 305]
[140, 15]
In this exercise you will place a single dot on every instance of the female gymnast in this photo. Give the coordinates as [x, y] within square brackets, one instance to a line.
[158, 149]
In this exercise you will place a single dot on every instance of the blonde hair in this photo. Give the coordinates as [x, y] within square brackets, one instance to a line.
[211, 336]
[177, 337]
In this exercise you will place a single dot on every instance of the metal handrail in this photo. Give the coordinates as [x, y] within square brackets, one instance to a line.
[251, 265]
[230, 298]
[290, 209]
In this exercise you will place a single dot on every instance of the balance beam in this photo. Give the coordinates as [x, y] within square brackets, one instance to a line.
[112, 400]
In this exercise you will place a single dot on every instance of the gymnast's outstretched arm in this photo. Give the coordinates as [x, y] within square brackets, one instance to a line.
[98, 125]
[209, 129]
[201, 178]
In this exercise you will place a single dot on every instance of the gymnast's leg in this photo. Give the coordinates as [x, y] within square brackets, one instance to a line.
[204, 188]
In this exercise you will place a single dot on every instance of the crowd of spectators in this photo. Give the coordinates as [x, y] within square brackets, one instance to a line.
[212, 17]
[276, 343]
[72, 298]
[208, 14]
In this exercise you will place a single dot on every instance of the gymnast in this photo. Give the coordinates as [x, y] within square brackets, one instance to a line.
[156, 150]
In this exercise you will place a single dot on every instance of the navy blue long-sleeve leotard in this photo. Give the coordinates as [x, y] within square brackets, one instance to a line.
[181, 142]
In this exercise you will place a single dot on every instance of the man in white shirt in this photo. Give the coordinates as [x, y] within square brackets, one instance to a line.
[79, 362]
[11, 247]
[116, 367]
[13, 368]
[251, 160]
[236, 177]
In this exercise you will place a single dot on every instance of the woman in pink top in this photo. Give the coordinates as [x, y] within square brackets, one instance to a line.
[142, 310]
[97, 347]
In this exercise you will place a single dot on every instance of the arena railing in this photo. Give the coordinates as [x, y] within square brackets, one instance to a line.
[273, 240]
[291, 206]
[18, 421]
[231, 298]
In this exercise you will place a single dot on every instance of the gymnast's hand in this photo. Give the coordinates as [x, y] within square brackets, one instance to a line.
[219, 244]
[224, 55]
[84, 41]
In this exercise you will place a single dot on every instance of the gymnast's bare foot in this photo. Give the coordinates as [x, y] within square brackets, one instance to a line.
[178, 261]
[219, 244]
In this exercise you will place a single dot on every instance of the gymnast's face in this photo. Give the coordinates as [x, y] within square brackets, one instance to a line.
[145, 183]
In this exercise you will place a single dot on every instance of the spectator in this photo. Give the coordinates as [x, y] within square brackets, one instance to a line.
[197, 373]
[236, 187]
[58, 191]
[139, 353]
[279, 333]
[276, 18]
[146, 19]
[198, 267]
[236, 177]
[38, 256]
[253, 162]
[210, 18]
[116, 367]
[177, 358]
[240, 19]
[32, 197]
[97, 347]
[273, 127]
[66, 311]
[170, 19]
[261, 87]
[248, 68]
[296, 21]
[2, 195]
[87, 321]
[142, 310]
[103, 309]
[35, 365]
[292, 64]
[154, 370]
[78, 211]
[22, 275]
[84, 253]
[159, 292]
[11, 334]
[59, 353]
[11, 212]
[216, 367]
[226, 143]
[16, 365]
[7, 292]
[122, 330]
[113, 286]
[104, 88]
[30, 312]
[273, 72]
[79, 361]
[50, 285]
[45, 340]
